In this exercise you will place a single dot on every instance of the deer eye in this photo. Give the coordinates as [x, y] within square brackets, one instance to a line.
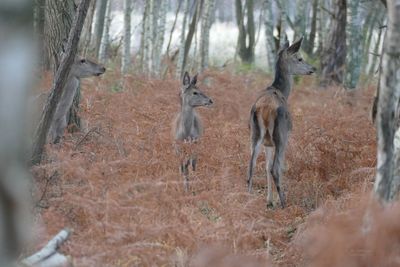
[83, 60]
[300, 59]
[195, 93]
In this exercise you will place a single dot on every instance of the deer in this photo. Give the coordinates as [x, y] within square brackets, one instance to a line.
[81, 68]
[270, 120]
[187, 125]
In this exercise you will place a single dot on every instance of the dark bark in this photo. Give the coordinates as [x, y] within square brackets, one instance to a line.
[246, 32]
[192, 30]
[59, 83]
[334, 55]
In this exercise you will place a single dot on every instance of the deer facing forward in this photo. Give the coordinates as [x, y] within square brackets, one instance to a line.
[270, 121]
[188, 128]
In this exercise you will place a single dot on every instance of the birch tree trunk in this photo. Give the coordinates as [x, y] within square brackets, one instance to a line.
[246, 32]
[105, 40]
[355, 57]
[126, 55]
[309, 48]
[269, 34]
[59, 83]
[334, 54]
[16, 46]
[98, 28]
[149, 34]
[179, 70]
[388, 164]
[206, 21]
[159, 38]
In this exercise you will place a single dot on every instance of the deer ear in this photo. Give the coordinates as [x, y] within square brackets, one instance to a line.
[295, 47]
[194, 80]
[186, 78]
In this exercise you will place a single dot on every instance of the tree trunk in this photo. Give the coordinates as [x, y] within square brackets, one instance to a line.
[334, 55]
[387, 177]
[159, 38]
[245, 51]
[309, 48]
[16, 47]
[126, 55]
[354, 61]
[86, 39]
[269, 34]
[105, 40]
[59, 17]
[179, 70]
[98, 29]
[39, 21]
[205, 33]
[189, 37]
[59, 83]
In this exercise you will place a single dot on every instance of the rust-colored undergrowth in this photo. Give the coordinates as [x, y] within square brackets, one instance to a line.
[118, 186]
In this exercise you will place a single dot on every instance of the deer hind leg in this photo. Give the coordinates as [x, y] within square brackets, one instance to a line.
[280, 135]
[255, 145]
[268, 156]
[193, 161]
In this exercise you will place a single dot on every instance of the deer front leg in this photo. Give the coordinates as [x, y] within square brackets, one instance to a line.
[185, 172]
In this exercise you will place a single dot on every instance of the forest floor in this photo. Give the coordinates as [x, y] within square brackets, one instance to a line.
[118, 186]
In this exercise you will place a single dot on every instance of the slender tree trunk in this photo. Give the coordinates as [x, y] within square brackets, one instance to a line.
[60, 80]
[179, 69]
[246, 32]
[269, 34]
[334, 55]
[354, 61]
[376, 51]
[39, 22]
[126, 56]
[387, 177]
[17, 46]
[309, 48]
[192, 30]
[86, 38]
[142, 52]
[105, 40]
[159, 40]
[205, 33]
[98, 28]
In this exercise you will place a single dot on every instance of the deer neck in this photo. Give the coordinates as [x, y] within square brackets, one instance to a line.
[187, 115]
[283, 80]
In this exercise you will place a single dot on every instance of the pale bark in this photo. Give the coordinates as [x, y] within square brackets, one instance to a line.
[206, 21]
[181, 53]
[84, 46]
[355, 57]
[105, 40]
[48, 255]
[98, 28]
[126, 55]
[387, 177]
[269, 34]
[60, 80]
[246, 37]
[17, 52]
[159, 38]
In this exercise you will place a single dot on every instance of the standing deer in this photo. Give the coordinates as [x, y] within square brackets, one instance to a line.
[188, 128]
[81, 68]
[270, 121]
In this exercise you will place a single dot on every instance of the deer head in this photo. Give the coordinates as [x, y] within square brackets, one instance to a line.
[290, 59]
[83, 68]
[191, 94]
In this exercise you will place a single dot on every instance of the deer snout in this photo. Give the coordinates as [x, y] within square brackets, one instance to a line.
[102, 70]
[313, 69]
